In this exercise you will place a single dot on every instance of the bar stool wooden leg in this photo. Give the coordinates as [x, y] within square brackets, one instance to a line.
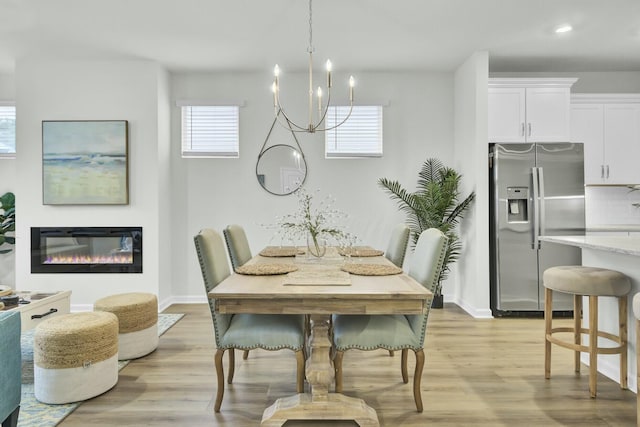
[548, 313]
[593, 345]
[577, 329]
[622, 316]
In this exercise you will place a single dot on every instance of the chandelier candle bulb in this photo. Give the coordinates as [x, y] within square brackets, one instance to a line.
[328, 74]
[274, 89]
[352, 82]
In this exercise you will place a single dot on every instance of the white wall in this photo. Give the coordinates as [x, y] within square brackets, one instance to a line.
[7, 166]
[8, 180]
[418, 123]
[471, 91]
[85, 90]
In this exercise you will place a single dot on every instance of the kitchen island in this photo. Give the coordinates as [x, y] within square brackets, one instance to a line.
[620, 253]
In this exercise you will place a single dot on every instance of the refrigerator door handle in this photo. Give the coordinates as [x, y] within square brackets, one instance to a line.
[541, 206]
[536, 219]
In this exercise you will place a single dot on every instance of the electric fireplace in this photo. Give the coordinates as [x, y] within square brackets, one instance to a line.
[86, 250]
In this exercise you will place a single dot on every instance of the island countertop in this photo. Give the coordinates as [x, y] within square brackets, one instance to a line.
[628, 245]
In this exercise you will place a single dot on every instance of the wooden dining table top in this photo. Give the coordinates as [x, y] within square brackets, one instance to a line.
[274, 294]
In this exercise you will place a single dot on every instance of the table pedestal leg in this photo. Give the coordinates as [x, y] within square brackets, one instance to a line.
[320, 405]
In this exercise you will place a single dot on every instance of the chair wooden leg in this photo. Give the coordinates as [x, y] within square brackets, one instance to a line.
[577, 327]
[548, 313]
[245, 355]
[417, 379]
[220, 375]
[337, 365]
[232, 365]
[622, 316]
[403, 365]
[593, 345]
[300, 362]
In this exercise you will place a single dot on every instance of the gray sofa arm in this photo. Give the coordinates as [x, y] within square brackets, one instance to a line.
[10, 368]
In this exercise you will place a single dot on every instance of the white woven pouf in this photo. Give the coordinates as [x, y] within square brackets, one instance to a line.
[75, 357]
[137, 314]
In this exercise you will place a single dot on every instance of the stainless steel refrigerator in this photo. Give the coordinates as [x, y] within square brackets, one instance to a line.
[535, 189]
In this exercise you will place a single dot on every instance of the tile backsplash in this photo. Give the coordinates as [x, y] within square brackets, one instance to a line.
[611, 206]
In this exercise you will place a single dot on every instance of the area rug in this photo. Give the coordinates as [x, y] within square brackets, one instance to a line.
[37, 414]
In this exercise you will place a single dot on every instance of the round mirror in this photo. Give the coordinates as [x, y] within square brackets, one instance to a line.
[281, 169]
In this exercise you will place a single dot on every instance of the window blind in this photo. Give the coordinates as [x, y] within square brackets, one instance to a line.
[210, 131]
[359, 136]
[7, 130]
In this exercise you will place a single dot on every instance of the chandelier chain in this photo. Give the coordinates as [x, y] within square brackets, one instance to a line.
[310, 28]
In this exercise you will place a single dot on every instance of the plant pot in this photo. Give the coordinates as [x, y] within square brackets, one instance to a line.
[438, 301]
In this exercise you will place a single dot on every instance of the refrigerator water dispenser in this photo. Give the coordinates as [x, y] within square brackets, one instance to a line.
[517, 202]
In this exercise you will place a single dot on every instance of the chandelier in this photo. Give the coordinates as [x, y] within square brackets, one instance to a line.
[311, 127]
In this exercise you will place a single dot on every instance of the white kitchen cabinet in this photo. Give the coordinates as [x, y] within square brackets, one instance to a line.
[529, 110]
[609, 127]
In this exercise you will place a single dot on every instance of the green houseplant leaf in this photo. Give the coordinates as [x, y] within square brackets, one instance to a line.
[435, 204]
[7, 221]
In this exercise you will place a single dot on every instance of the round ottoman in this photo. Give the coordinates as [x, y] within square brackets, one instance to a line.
[137, 314]
[75, 357]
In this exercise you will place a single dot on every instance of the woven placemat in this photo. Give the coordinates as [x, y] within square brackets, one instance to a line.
[265, 269]
[360, 252]
[371, 269]
[280, 251]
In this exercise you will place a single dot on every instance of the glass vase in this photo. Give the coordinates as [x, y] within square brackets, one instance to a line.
[316, 245]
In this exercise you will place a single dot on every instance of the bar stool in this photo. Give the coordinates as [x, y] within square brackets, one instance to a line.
[636, 313]
[592, 282]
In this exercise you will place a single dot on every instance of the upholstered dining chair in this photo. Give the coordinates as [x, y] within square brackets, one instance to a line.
[395, 332]
[237, 244]
[239, 251]
[397, 246]
[244, 331]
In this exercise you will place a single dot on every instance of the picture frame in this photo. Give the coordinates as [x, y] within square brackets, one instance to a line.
[85, 162]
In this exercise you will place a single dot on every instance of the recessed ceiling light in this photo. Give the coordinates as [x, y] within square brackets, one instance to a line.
[564, 29]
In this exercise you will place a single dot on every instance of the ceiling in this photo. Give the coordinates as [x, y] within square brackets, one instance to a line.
[358, 35]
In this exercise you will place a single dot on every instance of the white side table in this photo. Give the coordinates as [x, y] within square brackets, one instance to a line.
[42, 306]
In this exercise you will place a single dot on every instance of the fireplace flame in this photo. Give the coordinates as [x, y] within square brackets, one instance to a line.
[90, 259]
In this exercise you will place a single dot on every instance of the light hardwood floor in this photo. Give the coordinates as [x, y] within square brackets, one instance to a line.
[484, 372]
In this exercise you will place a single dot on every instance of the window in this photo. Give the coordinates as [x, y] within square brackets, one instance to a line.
[359, 136]
[7, 130]
[210, 131]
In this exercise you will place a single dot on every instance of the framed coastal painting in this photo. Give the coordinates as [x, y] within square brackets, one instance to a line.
[85, 162]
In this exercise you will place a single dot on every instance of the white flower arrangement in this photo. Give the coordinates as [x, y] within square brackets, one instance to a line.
[314, 223]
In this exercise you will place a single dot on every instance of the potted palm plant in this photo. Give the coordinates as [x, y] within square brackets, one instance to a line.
[435, 204]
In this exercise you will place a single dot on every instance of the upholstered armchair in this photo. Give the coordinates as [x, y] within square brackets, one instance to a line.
[397, 246]
[244, 331]
[10, 368]
[395, 332]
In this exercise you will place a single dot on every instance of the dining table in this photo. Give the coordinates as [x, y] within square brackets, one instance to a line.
[320, 287]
